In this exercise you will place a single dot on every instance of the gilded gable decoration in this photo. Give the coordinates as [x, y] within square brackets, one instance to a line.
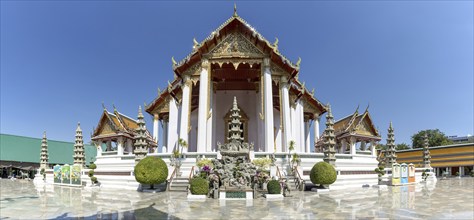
[235, 45]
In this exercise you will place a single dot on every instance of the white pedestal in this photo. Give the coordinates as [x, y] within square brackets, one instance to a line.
[201, 198]
[274, 196]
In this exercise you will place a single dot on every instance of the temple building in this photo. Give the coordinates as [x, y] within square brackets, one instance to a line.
[355, 133]
[235, 60]
[275, 108]
[115, 134]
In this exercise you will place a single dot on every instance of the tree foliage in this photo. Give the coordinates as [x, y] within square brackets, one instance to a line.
[435, 138]
[402, 146]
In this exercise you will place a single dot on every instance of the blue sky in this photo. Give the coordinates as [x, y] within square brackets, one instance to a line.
[411, 61]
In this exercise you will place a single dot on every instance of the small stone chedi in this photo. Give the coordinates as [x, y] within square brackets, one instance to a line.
[141, 145]
[426, 153]
[44, 152]
[390, 154]
[329, 142]
[79, 147]
[235, 170]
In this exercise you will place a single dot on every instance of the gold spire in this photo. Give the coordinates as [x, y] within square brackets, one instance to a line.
[235, 10]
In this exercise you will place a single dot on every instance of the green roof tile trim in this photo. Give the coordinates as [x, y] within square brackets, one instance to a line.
[27, 149]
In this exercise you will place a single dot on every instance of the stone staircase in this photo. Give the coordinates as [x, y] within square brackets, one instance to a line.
[179, 184]
[291, 182]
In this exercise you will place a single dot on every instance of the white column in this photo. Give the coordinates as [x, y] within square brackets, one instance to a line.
[300, 113]
[156, 120]
[209, 120]
[164, 122]
[203, 106]
[372, 148]
[294, 124]
[285, 100]
[185, 106]
[268, 105]
[316, 127]
[363, 146]
[214, 120]
[306, 132]
[99, 148]
[172, 126]
[259, 121]
[343, 146]
[120, 146]
[353, 145]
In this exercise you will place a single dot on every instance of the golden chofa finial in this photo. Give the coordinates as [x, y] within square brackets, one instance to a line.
[235, 10]
[275, 44]
[298, 62]
[195, 43]
[174, 61]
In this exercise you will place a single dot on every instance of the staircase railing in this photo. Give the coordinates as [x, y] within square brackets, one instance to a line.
[278, 173]
[189, 179]
[170, 180]
[299, 182]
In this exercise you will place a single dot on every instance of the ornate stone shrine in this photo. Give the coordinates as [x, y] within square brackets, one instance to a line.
[235, 170]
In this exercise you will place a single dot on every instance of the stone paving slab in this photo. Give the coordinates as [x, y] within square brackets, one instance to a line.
[448, 199]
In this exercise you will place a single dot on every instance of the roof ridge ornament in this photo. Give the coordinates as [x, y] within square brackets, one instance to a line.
[235, 10]
[298, 62]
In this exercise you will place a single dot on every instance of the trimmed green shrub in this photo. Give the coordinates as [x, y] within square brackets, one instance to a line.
[151, 170]
[323, 173]
[199, 186]
[94, 179]
[91, 173]
[92, 166]
[273, 187]
[42, 171]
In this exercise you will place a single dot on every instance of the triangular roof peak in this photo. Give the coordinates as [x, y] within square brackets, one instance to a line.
[235, 24]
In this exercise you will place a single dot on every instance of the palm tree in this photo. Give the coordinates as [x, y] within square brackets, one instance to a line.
[291, 146]
[183, 144]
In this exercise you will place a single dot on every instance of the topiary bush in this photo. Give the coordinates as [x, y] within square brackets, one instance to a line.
[323, 173]
[199, 186]
[273, 187]
[151, 170]
[91, 173]
[92, 166]
[94, 179]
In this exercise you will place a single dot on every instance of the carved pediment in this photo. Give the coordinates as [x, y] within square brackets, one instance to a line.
[106, 129]
[235, 45]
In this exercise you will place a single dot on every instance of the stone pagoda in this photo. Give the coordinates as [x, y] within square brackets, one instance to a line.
[141, 145]
[44, 152]
[235, 169]
[426, 152]
[329, 139]
[390, 154]
[79, 157]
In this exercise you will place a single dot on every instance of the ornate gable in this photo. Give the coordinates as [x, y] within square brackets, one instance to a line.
[365, 126]
[235, 45]
[105, 126]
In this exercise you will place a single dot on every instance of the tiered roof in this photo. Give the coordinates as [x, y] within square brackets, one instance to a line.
[116, 124]
[360, 125]
[236, 24]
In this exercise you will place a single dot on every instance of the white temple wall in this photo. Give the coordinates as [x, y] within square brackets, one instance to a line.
[277, 128]
[246, 101]
[192, 142]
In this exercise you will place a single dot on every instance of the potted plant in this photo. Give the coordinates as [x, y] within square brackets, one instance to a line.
[295, 160]
[182, 144]
[176, 161]
[380, 172]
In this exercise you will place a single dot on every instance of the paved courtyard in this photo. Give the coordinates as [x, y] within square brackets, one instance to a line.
[448, 199]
